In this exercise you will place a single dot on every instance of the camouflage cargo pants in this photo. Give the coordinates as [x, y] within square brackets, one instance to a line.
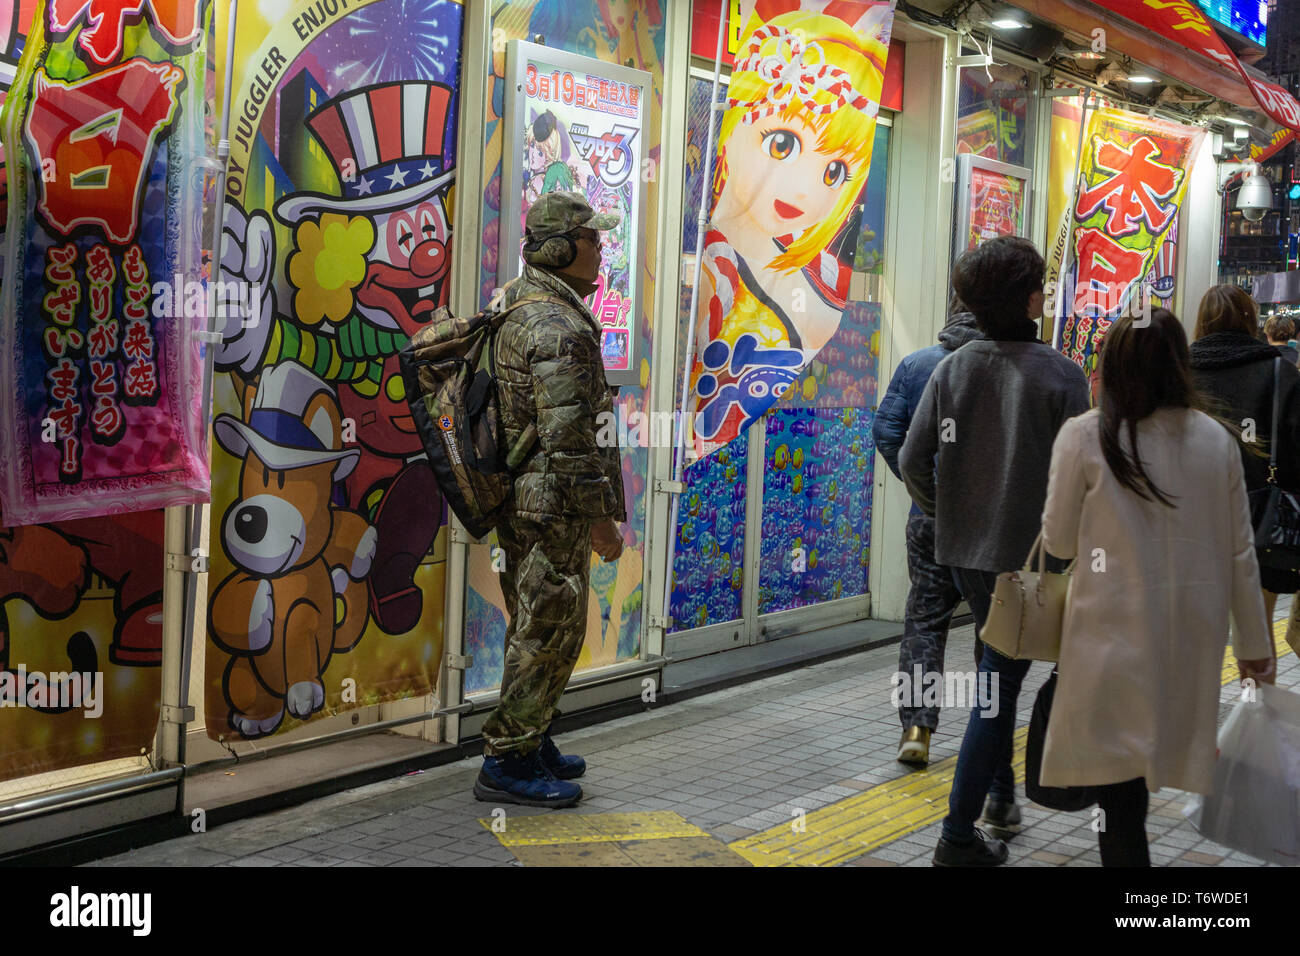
[545, 583]
[930, 602]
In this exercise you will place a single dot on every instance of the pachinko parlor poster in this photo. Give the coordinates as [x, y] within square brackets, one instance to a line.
[576, 123]
[790, 170]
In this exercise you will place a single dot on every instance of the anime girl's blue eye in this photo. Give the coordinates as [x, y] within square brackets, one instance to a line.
[836, 172]
[781, 144]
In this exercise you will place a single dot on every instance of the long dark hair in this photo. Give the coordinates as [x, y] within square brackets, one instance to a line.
[1143, 368]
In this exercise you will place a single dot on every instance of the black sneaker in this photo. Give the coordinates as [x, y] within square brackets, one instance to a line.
[978, 852]
[1001, 814]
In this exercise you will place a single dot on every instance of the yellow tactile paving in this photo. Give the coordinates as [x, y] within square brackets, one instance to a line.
[856, 825]
[553, 829]
[1279, 644]
[833, 834]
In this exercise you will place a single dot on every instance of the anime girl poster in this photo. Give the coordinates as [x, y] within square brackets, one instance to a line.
[794, 150]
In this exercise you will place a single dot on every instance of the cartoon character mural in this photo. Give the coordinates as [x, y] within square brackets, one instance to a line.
[82, 596]
[367, 270]
[794, 151]
[298, 594]
[338, 213]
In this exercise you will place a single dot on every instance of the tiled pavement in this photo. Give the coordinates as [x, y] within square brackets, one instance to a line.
[733, 764]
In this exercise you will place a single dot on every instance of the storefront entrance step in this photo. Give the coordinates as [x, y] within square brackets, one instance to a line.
[255, 786]
[701, 675]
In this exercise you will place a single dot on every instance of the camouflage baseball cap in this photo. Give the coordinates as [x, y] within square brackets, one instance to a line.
[559, 212]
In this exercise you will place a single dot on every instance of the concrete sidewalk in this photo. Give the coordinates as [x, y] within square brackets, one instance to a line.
[793, 769]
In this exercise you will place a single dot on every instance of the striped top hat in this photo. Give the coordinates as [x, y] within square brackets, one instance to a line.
[386, 143]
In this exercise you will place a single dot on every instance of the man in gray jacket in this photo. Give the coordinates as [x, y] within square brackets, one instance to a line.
[976, 458]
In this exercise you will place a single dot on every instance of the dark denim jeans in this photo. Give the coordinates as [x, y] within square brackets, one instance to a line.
[984, 762]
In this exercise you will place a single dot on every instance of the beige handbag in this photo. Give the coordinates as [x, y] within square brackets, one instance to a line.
[1028, 609]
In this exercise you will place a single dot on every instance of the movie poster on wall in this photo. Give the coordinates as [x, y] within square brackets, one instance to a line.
[792, 160]
[327, 574]
[575, 123]
[1132, 176]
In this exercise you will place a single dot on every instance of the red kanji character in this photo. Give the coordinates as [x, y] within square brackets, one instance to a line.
[61, 304]
[1106, 271]
[1135, 192]
[141, 381]
[59, 260]
[138, 344]
[99, 265]
[133, 266]
[58, 341]
[136, 308]
[107, 421]
[105, 20]
[103, 339]
[100, 132]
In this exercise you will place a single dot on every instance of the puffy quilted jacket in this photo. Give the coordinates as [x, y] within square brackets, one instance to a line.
[549, 373]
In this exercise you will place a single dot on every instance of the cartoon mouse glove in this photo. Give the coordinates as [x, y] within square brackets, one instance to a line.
[248, 264]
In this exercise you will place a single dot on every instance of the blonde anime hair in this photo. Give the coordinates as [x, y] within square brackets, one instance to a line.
[846, 130]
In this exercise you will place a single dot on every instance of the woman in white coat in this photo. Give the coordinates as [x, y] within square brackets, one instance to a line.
[1165, 556]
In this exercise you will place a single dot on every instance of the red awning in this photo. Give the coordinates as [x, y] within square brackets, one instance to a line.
[1215, 69]
[1181, 21]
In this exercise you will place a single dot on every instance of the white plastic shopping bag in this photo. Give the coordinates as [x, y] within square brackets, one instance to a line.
[1255, 806]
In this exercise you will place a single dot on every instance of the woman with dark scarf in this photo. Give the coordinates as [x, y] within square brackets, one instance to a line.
[1233, 371]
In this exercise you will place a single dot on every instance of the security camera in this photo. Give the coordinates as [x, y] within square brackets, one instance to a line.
[1255, 197]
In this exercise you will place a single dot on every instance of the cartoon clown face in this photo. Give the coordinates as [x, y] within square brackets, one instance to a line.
[407, 269]
[387, 143]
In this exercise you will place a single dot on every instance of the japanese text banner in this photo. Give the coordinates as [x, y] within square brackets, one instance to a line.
[102, 291]
[1131, 182]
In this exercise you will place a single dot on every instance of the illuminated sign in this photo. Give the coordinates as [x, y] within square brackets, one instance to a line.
[1249, 18]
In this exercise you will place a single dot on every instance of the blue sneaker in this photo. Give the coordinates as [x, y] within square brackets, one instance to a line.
[564, 768]
[524, 780]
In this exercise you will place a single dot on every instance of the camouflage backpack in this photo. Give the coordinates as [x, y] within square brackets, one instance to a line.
[449, 371]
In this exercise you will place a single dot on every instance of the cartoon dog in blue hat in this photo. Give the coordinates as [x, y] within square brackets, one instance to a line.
[298, 593]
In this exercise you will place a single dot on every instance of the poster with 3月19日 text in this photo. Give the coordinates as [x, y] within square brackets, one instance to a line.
[578, 124]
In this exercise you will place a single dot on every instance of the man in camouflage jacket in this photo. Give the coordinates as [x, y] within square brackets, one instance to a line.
[568, 496]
